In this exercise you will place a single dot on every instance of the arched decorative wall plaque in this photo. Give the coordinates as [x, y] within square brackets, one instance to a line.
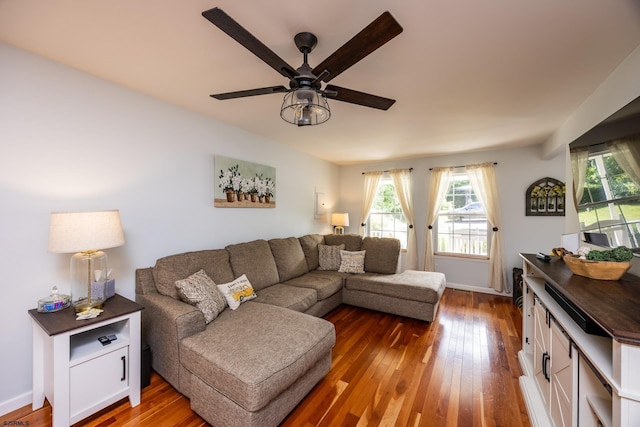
[546, 197]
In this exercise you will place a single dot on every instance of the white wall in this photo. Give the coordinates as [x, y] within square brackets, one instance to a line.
[621, 87]
[517, 168]
[70, 141]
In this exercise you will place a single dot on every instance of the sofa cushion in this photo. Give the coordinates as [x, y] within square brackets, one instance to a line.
[200, 291]
[253, 354]
[352, 262]
[329, 257]
[352, 242]
[256, 261]
[382, 254]
[237, 291]
[309, 245]
[422, 286]
[177, 267]
[291, 297]
[325, 285]
[289, 258]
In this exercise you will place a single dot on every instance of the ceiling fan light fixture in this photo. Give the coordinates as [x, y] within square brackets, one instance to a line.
[305, 107]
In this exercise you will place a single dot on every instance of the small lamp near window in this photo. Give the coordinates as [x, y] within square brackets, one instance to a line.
[339, 221]
[85, 233]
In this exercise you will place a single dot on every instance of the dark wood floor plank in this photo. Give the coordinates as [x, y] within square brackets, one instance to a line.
[461, 370]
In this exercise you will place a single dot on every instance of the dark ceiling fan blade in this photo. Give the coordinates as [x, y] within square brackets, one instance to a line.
[359, 98]
[374, 35]
[250, 92]
[223, 21]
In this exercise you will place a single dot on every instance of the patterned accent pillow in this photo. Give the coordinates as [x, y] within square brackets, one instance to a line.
[352, 262]
[329, 257]
[237, 292]
[200, 291]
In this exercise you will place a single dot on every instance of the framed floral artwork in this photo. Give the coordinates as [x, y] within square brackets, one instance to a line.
[546, 197]
[241, 184]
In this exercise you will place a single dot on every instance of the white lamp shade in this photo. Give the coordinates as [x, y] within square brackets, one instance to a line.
[340, 219]
[85, 231]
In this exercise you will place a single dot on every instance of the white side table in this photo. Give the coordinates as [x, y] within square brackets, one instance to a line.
[74, 371]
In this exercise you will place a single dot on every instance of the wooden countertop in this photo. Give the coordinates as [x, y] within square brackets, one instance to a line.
[65, 320]
[613, 304]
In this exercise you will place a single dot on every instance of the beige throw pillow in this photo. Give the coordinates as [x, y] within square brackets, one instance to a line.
[329, 257]
[200, 291]
[352, 262]
[237, 292]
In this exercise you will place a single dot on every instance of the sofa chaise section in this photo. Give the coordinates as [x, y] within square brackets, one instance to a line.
[249, 357]
[414, 294]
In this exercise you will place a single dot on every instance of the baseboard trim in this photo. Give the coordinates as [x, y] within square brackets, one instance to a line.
[477, 289]
[15, 403]
[535, 407]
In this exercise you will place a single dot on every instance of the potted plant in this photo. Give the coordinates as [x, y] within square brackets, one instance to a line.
[269, 189]
[229, 182]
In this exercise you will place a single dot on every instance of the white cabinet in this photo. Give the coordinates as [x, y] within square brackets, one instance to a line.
[555, 367]
[109, 371]
[574, 378]
[541, 350]
[75, 371]
[563, 373]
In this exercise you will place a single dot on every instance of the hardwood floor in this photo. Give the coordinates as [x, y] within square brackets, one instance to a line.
[460, 370]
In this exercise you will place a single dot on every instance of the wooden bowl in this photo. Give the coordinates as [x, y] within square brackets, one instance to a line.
[600, 270]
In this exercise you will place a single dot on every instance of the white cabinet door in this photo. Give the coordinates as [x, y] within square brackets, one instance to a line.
[562, 374]
[97, 380]
[541, 350]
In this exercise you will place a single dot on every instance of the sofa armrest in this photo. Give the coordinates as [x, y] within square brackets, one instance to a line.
[144, 281]
[165, 322]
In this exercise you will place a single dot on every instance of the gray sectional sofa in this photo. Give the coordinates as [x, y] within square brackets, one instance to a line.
[251, 366]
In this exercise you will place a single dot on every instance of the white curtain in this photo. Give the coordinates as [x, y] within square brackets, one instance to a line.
[579, 160]
[402, 182]
[483, 181]
[371, 181]
[626, 152]
[438, 185]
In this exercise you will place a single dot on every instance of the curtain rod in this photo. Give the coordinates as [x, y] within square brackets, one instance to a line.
[462, 166]
[410, 169]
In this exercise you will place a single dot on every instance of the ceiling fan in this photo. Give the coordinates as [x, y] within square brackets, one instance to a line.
[305, 101]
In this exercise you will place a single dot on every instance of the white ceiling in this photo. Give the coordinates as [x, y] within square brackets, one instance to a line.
[466, 74]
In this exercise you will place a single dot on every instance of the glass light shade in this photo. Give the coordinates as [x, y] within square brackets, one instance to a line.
[88, 271]
[305, 107]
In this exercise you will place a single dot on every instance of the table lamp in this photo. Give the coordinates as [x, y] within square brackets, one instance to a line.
[85, 233]
[339, 221]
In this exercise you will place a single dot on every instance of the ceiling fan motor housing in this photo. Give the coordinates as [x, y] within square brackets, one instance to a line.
[305, 42]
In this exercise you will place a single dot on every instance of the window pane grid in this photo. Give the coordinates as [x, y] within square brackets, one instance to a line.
[467, 237]
[462, 224]
[386, 218]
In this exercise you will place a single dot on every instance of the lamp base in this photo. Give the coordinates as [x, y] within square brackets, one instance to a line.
[84, 305]
[87, 268]
[338, 229]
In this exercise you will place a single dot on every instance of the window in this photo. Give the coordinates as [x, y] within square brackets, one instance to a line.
[610, 201]
[462, 221]
[386, 218]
